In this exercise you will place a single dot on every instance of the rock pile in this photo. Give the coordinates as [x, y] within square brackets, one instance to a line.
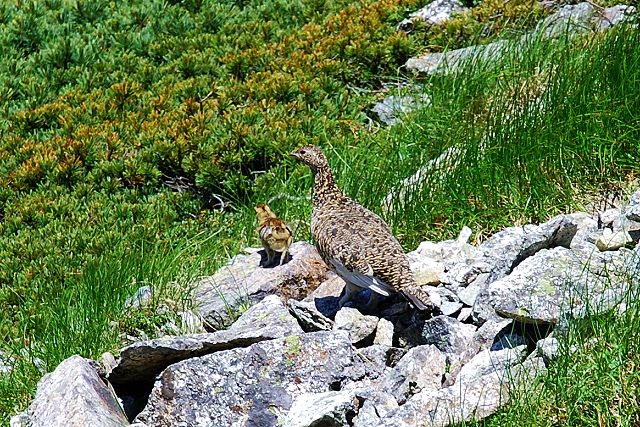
[301, 361]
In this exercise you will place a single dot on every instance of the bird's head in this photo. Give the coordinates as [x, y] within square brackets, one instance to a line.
[312, 156]
[263, 211]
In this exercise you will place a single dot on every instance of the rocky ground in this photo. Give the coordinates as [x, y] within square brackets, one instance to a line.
[294, 358]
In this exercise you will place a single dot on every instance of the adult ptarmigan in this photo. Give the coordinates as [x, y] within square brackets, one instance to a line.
[354, 242]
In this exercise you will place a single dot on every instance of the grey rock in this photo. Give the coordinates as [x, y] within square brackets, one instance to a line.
[376, 407]
[426, 271]
[74, 394]
[394, 108]
[465, 314]
[6, 363]
[251, 386]
[533, 292]
[142, 361]
[632, 210]
[461, 275]
[309, 317]
[469, 294]
[570, 19]
[450, 308]
[243, 281]
[330, 409]
[614, 15]
[448, 252]
[485, 336]
[611, 240]
[548, 348]
[466, 401]
[487, 362]
[434, 13]
[384, 333]
[141, 298]
[422, 367]
[443, 63]
[585, 237]
[359, 326]
[382, 356]
[448, 334]
[506, 249]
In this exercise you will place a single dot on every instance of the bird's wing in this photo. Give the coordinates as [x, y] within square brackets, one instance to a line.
[362, 279]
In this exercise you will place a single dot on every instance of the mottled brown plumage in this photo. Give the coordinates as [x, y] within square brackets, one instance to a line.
[275, 234]
[356, 243]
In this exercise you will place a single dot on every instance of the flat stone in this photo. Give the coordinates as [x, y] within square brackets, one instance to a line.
[244, 281]
[142, 361]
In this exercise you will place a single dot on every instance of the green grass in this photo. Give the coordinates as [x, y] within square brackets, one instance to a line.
[112, 166]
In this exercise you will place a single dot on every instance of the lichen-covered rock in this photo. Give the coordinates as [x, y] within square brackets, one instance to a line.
[243, 281]
[556, 283]
[74, 395]
[328, 409]
[422, 367]
[251, 386]
[142, 361]
[508, 248]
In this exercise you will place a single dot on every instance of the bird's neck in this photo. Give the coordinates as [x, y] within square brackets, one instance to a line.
[324, 187]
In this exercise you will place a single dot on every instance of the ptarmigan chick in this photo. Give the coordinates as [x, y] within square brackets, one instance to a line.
[356, 243]
[275, 234]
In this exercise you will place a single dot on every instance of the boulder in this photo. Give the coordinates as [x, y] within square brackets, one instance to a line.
[254, 386]
[244, 281]
[141, 362]
[73, 395]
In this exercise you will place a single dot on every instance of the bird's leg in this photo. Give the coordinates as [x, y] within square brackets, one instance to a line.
[349, 290]
[270, 255]
[283, 255]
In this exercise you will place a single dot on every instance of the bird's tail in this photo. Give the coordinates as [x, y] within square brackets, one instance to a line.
[418, 298]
